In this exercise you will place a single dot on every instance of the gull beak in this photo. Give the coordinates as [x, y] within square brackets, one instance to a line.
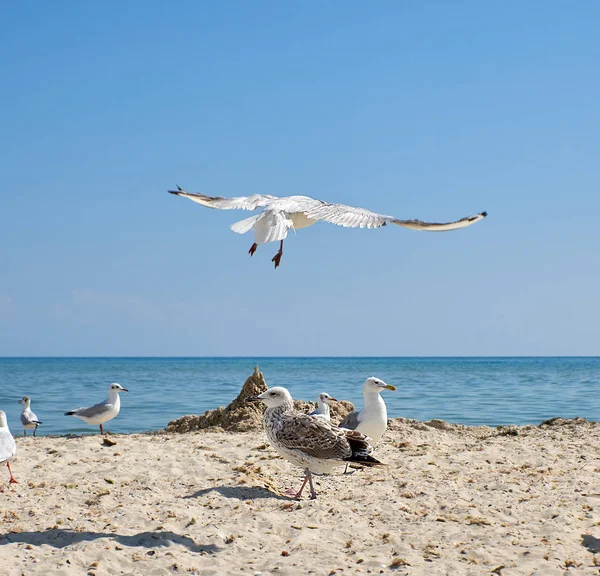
[253, 399]
[389, 387]
[125, 390]
[334, 399]
[21, 401]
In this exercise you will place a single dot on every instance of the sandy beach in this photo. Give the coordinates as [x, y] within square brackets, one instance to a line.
[451, 500]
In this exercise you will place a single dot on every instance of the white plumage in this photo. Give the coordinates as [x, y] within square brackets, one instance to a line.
[8, 447]
[280, 215]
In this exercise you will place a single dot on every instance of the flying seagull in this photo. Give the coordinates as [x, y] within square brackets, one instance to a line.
[28, 418]
[102, 412]
[372, 419]
[322, 410]
[8, 447]
[311, 443]
[279, 215]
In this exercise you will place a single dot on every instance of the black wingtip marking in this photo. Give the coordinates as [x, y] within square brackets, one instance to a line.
[69, 413]
[484, 214]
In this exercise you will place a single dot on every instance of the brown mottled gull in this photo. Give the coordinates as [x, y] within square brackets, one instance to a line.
[280, 215]
[311, 443]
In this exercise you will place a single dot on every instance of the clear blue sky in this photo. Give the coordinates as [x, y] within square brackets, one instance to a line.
[430, 110]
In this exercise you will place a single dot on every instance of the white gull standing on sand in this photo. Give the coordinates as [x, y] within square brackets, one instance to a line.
[372, 419]
[279, 215]
[322, 410]
[311, 443]
[102, 412]
[8, 446]
[28, 418]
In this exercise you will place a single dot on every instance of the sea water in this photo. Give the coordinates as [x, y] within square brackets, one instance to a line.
[490, 391]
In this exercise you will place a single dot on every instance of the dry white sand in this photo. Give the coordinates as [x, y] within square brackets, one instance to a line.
[450, 501]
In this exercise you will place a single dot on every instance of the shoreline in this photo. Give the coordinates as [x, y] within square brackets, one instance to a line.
[451, 499]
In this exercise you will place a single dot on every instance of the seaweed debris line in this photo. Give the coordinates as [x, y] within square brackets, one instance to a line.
[240, 416]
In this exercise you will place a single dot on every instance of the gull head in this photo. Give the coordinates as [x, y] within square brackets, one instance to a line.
[3, 422]
[25, 400]
[376, 385]
[116, 388]
[274, 397]
[325, 398]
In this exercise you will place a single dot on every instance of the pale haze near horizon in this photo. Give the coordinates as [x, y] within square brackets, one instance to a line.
[418, 110]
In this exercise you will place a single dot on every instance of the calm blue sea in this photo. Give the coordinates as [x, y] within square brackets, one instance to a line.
[463, 390]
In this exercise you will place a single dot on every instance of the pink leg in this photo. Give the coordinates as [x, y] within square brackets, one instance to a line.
[12, 478]
[291, 492]
[313, 494]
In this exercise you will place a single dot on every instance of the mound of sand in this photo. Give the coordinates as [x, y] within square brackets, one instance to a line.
[242, 416]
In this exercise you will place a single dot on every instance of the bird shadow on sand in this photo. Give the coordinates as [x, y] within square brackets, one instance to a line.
[239, 493]
[60, 538]
[591, 543]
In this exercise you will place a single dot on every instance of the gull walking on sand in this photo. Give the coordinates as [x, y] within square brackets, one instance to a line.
[8, 446]
[372, 419]
[102, 412]
[28, 418]
[279, 215]
[313, 444]
[322, 410]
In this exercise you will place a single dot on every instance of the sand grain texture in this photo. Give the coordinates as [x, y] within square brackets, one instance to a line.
[452, 500]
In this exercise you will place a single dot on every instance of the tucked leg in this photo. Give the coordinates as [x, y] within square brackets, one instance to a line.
[277, 257]
[253, 249]
[12, 478]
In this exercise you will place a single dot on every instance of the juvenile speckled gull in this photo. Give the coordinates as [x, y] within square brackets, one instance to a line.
[372, 419]
[28, 418]
[8, 447]
[279, 215]
[322, 410]
[311, 443]
[102, 412]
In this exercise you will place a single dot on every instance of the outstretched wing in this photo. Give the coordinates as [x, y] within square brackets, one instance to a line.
[442, 226]
[353, 217]
[240, 203]
[313, 436]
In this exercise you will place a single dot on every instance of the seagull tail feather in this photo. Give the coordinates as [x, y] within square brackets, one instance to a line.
[364, 459]
[245, 225]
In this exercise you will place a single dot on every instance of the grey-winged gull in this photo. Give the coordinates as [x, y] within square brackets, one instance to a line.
[102, 412]
[279, 215]
[8, 446]
[28, 418]
[312, 443]
[322, 411]
[372, 419]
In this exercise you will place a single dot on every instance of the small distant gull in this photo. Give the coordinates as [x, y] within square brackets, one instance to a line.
[322, 410]
[312, 443]
[279, 215]
[28, 418]
[372, 419]
[102, 412]
[8, 447]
